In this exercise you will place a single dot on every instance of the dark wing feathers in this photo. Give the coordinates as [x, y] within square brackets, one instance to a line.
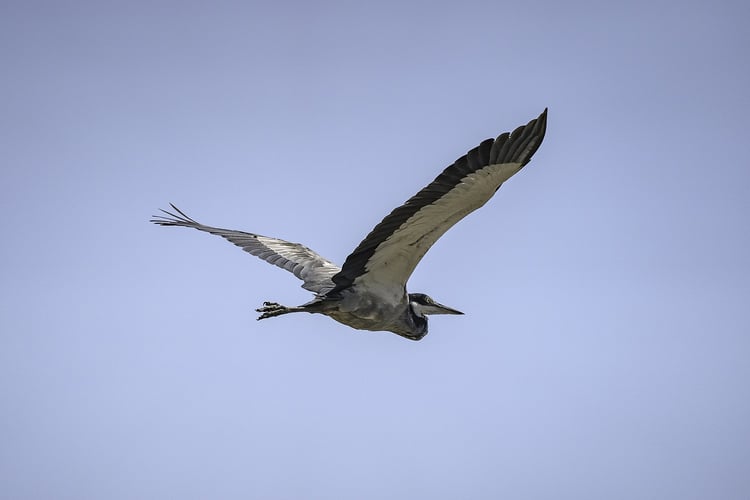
[513, 150]
[314, 270]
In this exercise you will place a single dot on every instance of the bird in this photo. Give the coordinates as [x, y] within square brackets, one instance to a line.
[368, 292]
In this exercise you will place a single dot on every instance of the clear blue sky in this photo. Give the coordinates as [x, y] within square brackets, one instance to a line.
[604, 351]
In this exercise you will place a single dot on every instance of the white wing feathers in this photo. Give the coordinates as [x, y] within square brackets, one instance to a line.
[315, 271]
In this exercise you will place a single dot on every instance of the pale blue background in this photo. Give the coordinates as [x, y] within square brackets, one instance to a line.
[605, 349]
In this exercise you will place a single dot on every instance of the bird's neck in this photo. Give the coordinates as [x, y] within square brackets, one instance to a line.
[418, 321]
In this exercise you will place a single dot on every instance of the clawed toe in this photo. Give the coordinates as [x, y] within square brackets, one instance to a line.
[270, 309]
[269, 306]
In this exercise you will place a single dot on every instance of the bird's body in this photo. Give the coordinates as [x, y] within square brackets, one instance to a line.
[367, 311]
[369, 291]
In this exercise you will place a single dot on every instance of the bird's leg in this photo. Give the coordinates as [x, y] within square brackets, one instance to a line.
[272, 309]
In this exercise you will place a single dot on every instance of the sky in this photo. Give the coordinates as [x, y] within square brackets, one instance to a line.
[604, 350]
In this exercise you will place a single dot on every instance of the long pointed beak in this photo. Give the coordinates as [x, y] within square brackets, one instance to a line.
[441, 309]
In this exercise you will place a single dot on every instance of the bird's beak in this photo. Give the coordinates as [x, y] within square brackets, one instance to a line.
[436, 308]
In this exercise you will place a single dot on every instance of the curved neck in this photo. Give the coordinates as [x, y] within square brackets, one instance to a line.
[418, 322]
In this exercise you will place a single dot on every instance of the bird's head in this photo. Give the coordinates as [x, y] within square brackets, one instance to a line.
[423, 304]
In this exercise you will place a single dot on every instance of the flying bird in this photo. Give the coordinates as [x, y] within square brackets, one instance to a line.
[369, 291]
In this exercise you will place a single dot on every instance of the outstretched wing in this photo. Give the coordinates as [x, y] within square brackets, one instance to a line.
[386, 258]
[315, 271]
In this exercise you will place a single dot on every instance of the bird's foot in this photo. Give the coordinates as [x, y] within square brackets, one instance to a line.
[270, 309]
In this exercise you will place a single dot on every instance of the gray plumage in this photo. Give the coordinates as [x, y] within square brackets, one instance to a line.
[314, 271]
[369, 291]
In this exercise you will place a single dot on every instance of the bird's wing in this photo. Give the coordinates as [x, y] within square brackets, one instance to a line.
[386, 258]
[315, 271]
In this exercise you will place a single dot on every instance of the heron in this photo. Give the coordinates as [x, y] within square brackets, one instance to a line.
[368, 292]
